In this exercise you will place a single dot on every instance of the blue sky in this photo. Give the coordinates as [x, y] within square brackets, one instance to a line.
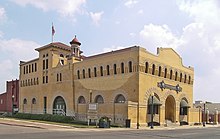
[191, 27]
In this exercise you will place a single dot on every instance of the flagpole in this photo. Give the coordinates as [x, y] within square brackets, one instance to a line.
[52, 33]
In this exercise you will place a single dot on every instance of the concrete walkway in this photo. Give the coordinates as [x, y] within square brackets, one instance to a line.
[54, 126]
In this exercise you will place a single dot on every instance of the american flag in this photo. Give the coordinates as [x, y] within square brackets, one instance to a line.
[53, 30]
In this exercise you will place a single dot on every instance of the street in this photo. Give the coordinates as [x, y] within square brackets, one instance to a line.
[20, 132]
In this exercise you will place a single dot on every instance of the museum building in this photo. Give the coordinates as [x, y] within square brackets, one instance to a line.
[123, 84]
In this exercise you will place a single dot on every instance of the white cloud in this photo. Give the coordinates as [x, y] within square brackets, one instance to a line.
[132, 34]
[130, 3]
[140, 11]
[158, 36]
[3, 16]
[96, 17]
[63, 7]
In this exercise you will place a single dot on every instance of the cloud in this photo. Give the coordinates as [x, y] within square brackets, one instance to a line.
[96, 17]
[158, 36]
[140, 11]
[3, 16]
[64, 8]
[130, 3]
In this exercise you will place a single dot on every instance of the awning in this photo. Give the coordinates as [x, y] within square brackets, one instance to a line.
[184, 104]
[155, 101]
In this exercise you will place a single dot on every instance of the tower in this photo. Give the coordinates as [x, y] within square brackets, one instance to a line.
[75, 47]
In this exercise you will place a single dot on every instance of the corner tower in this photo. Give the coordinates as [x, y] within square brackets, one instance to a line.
[75, 48]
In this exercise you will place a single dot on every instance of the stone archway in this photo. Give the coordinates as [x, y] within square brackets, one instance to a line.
[59, 106]
[170, 108]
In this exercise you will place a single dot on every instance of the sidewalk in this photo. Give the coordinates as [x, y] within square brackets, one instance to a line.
[56, 126]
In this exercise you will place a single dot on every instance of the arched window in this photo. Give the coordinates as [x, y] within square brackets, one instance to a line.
[108, 70]
[84, 74]
[101, 71]
[60, 76]
[99, 99]
[153, 69]
[59, 106]
[122, 68]
[33, 101]
[61, 55]
[57, 77]
[159, 73]
[95, 72]
[165, 73]
[89, 72]
[181, 76]
[146, 67]
[81, 100]
[115, 69]
[25, 101]
[184, 107]
[130, 66]
[78, 74]
[176, 75]
[120, 99]
[156, 105]
[185, 78]
[171, 74]
[189, 80]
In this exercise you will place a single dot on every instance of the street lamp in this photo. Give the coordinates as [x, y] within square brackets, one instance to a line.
[12, 104]
[204, 115]
[152, 111]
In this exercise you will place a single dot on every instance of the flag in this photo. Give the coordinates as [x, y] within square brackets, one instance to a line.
[53, 30]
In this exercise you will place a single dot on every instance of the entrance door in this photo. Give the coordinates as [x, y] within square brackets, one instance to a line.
[170, 109]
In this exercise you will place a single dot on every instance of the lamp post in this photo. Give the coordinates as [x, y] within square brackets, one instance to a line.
[152, 111]
[12, 111]
[204, 116]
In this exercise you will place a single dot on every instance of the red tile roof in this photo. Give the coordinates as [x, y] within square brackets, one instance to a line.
[75, 41]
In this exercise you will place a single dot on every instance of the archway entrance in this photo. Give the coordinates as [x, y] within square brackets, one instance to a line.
[59, 106]
[170, 109]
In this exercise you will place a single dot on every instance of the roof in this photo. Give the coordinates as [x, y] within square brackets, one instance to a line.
[75, 41]
[56, 45]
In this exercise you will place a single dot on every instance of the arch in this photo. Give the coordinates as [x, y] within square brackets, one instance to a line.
[95, 72]
[153, 69]
[34, 101]
[89, 72]
[59, 106]
[146, 67]
[170, 108]
[159, 73]
[99, 99]
[78, 74]
[81, 100]
[122, 67]
[84, 74]
[156, 104]
[25, 101]
[61, 55]
[130, 66]
[120, 99]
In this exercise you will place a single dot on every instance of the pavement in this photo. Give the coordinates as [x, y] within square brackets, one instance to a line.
[54, 126]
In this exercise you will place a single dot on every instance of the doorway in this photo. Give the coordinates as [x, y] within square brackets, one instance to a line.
[170, 109]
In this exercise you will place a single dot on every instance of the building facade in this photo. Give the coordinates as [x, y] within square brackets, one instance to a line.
[123, 84]
[10, 98]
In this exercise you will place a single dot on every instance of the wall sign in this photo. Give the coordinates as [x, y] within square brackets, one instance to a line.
[163, 86]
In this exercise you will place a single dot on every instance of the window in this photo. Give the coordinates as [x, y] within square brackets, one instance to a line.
[60, 76]
[146, 67]
[101, 71]
[32, 68]
[43, 79]
[171, 74]
[115, 69]
[57, 77]
[31, 82]
[95, 72]
[29, 68]
[122, 68]
[43, 64]
[159, 73]
[89, 72]
[78, 74]
[46, 63]
[25, 101]
[81, 100]
[35, 66]
[108, 70]
[189, 80]
[185, 78]
[61, 62]
[120, 99]
[153, 69]
[165, 73]
[61, 55]
[34, 82]
[24, 69]
[37, 81]
[84, 74]
[33, 101]
[181, 77]
[176, 75]
[130, 66]
[99, 99]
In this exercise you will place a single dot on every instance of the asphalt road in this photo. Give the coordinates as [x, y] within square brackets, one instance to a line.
[20, 132]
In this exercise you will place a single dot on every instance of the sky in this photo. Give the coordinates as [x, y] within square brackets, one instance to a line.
[190, 27]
